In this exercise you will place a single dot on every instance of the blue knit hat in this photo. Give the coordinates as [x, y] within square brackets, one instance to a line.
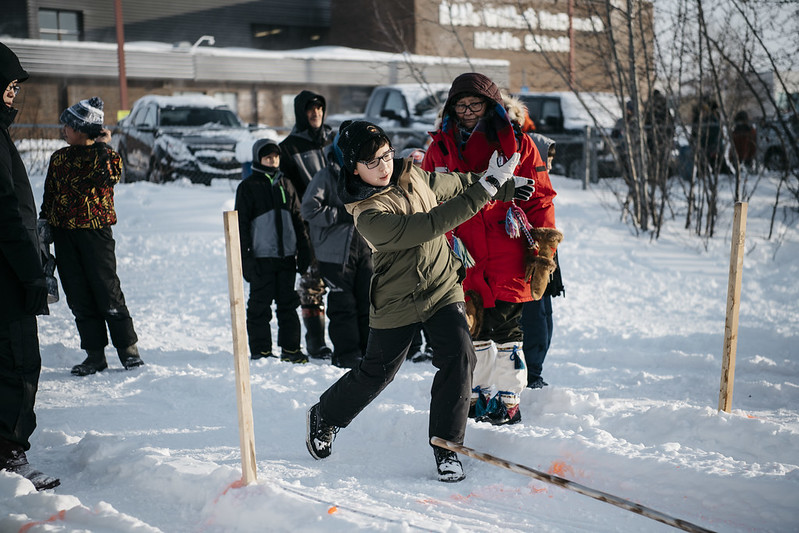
[85, 116]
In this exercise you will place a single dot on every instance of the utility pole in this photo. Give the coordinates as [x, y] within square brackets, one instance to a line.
[123, 80]
[571, 44]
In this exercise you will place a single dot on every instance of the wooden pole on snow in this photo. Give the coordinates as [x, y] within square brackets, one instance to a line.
[240, 361]
[571, 485]
[733, 306]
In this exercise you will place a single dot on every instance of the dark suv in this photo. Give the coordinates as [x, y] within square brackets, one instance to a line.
[169, 137]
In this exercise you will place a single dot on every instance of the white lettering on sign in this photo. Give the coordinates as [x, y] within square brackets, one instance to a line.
[507, 16]
[489, 40]
[546, 44]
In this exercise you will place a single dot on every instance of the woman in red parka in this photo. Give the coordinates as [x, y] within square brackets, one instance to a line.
[507, 247]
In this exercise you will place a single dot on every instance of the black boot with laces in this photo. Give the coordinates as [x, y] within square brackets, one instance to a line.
[320, 435]
[450, 469]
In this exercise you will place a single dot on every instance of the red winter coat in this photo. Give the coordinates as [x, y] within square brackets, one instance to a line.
[498, 273]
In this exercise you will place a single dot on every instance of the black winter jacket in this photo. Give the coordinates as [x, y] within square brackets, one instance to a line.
[302, 152]
[270, 225]
[20, 256]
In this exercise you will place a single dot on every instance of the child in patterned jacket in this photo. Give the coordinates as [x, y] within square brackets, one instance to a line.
[78, 204]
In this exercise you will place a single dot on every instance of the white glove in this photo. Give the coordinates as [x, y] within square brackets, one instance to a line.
[525, 187]
[499, 171]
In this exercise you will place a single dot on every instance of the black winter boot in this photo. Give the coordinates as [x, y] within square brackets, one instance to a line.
[293, 356]
[319, 435]
[313, 318]
[95, 362]
[129, 357]
[450, 469]
[13, 459]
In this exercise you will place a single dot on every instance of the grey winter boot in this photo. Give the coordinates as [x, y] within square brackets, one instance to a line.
[129, 357]
[94, 362]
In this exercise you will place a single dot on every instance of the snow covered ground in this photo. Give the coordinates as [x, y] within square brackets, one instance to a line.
[631, 409]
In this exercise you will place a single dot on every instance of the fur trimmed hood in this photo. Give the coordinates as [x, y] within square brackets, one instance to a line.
[515, 108]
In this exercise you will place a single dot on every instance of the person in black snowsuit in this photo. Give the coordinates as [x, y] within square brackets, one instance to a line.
[78, 205]
[23, 289]
[345, 262]
[301, 157]
[274, 246]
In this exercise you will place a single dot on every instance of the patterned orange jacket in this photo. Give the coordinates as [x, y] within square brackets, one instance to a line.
[79, 188]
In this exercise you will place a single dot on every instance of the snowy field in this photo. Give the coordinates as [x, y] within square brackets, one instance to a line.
[631, 409]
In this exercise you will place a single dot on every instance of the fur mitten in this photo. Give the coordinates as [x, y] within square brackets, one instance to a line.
[474, 312]
[538, 262]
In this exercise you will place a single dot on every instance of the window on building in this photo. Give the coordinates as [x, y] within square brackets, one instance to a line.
[60, 25]
[271, 37]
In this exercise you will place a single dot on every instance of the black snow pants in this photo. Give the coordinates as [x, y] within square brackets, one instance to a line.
[348, 301]
[87, 266]
[453, 356]
[20, 365]
[273, 282]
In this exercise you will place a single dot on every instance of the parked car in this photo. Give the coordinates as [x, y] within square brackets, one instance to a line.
[774, 145]
[170, 137]
[406, 111]
[561, 116]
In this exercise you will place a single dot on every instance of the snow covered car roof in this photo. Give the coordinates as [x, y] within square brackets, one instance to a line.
[194, 100]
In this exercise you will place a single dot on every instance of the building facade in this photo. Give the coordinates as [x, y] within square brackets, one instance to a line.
[257, 54]
[551, 45]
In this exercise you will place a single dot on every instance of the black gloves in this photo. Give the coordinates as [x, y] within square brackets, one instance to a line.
[45, 231]
[249, 267]
[303, 259]
[524, 188]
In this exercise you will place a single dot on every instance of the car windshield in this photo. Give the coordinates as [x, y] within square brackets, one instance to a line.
[431, 103]
[197, 116]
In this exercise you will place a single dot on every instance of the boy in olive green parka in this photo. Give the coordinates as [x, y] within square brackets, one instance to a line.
[404, 213]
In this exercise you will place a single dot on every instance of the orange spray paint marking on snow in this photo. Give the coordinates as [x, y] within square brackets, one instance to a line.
[559, 468]
[332, 510]
[58, 516]
[235, 485]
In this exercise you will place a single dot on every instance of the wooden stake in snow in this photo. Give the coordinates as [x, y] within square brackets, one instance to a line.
[733, 306]
[240, 360]
[571, 485]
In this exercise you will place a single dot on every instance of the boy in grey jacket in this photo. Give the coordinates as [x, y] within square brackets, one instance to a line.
[345, 262]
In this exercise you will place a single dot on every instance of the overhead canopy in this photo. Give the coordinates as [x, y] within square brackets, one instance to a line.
[327, 65]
